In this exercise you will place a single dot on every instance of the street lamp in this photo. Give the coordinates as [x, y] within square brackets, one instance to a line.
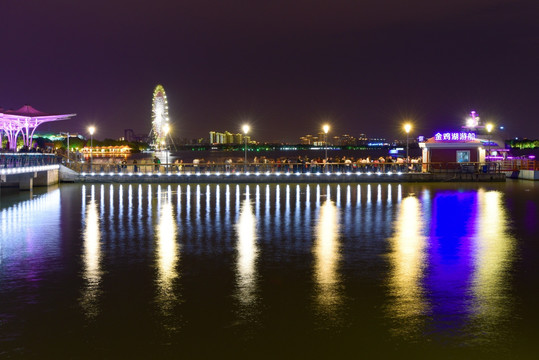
[489, 128]
[67, 137]
[407, 128]
[166, 129]
[326, 129]
[91, 129]
[245, 129]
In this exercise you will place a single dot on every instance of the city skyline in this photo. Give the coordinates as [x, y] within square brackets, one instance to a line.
[285, 69]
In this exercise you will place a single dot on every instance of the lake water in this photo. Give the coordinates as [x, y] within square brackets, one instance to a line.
[290, 271]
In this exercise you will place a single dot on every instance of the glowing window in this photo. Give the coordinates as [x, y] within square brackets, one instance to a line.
[463, 156]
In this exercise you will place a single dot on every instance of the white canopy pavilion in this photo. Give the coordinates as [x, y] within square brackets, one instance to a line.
[24, 121]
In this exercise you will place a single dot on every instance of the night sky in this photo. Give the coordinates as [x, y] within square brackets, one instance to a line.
[284, 66]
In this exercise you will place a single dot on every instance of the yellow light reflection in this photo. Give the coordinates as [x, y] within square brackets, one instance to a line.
[167, 255]
[493, 255]
[247, 253]
[407, 257]
[91, 259]
[327, 256]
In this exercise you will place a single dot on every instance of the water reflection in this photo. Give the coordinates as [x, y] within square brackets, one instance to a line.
[438, 269]
[91, 258]
[449, 268]
[327, 256]
[450, 261]
[407, 259]
[493, 253]
[30, 245]
[167, 255]
[247, 252]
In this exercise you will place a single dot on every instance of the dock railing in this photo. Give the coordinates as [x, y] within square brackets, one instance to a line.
[510, 165]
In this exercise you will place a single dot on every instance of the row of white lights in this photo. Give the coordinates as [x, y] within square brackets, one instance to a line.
[237, 174]
[25, 154]
[28, 169]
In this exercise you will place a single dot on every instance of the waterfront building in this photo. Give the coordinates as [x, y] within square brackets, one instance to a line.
[452, 147]
[474, 143]
[107, 150]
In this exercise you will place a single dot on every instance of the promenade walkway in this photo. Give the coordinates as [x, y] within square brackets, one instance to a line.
[33, 169]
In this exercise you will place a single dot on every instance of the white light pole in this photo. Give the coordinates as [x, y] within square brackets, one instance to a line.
[166, 129]
[489, 128]
[407, 128]
[67, 137]
[326, 129]
[68, 147]
[91, 129]
[245, 129]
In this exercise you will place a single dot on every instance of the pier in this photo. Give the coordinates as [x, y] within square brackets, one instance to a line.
[26, 170]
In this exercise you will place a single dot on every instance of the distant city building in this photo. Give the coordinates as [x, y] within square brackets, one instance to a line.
[227, 138]
[130, 136]
[309, 140]
[342, 140]
[217, 137]
[347, 140]
[362, 139]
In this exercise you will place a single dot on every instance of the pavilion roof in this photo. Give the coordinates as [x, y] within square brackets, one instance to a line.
[27, 111]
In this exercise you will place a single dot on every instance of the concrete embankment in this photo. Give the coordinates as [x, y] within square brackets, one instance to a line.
[25, 178]
[528, 174]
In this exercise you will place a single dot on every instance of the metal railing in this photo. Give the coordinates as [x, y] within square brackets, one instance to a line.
[12, 160]
[519, 164]
[489, 167]
[17, 160]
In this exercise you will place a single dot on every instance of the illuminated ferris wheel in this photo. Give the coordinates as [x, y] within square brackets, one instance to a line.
[160, 120]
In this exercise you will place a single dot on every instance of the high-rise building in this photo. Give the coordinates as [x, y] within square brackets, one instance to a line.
[342, 140]
[227, 138]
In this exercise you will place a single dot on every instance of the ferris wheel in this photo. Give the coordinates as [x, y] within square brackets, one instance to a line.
[160, 119]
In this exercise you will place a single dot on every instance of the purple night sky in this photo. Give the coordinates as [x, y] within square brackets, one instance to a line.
[285, 66]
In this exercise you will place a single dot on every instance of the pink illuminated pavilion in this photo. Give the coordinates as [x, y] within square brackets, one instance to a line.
[24, 121]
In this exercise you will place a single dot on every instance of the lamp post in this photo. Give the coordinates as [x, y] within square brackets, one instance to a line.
[91, 129]
[326, 129]
[166, 129]
[245, 129]
[68, 147]
[67, 137]
[489, 128]
[407, 128]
